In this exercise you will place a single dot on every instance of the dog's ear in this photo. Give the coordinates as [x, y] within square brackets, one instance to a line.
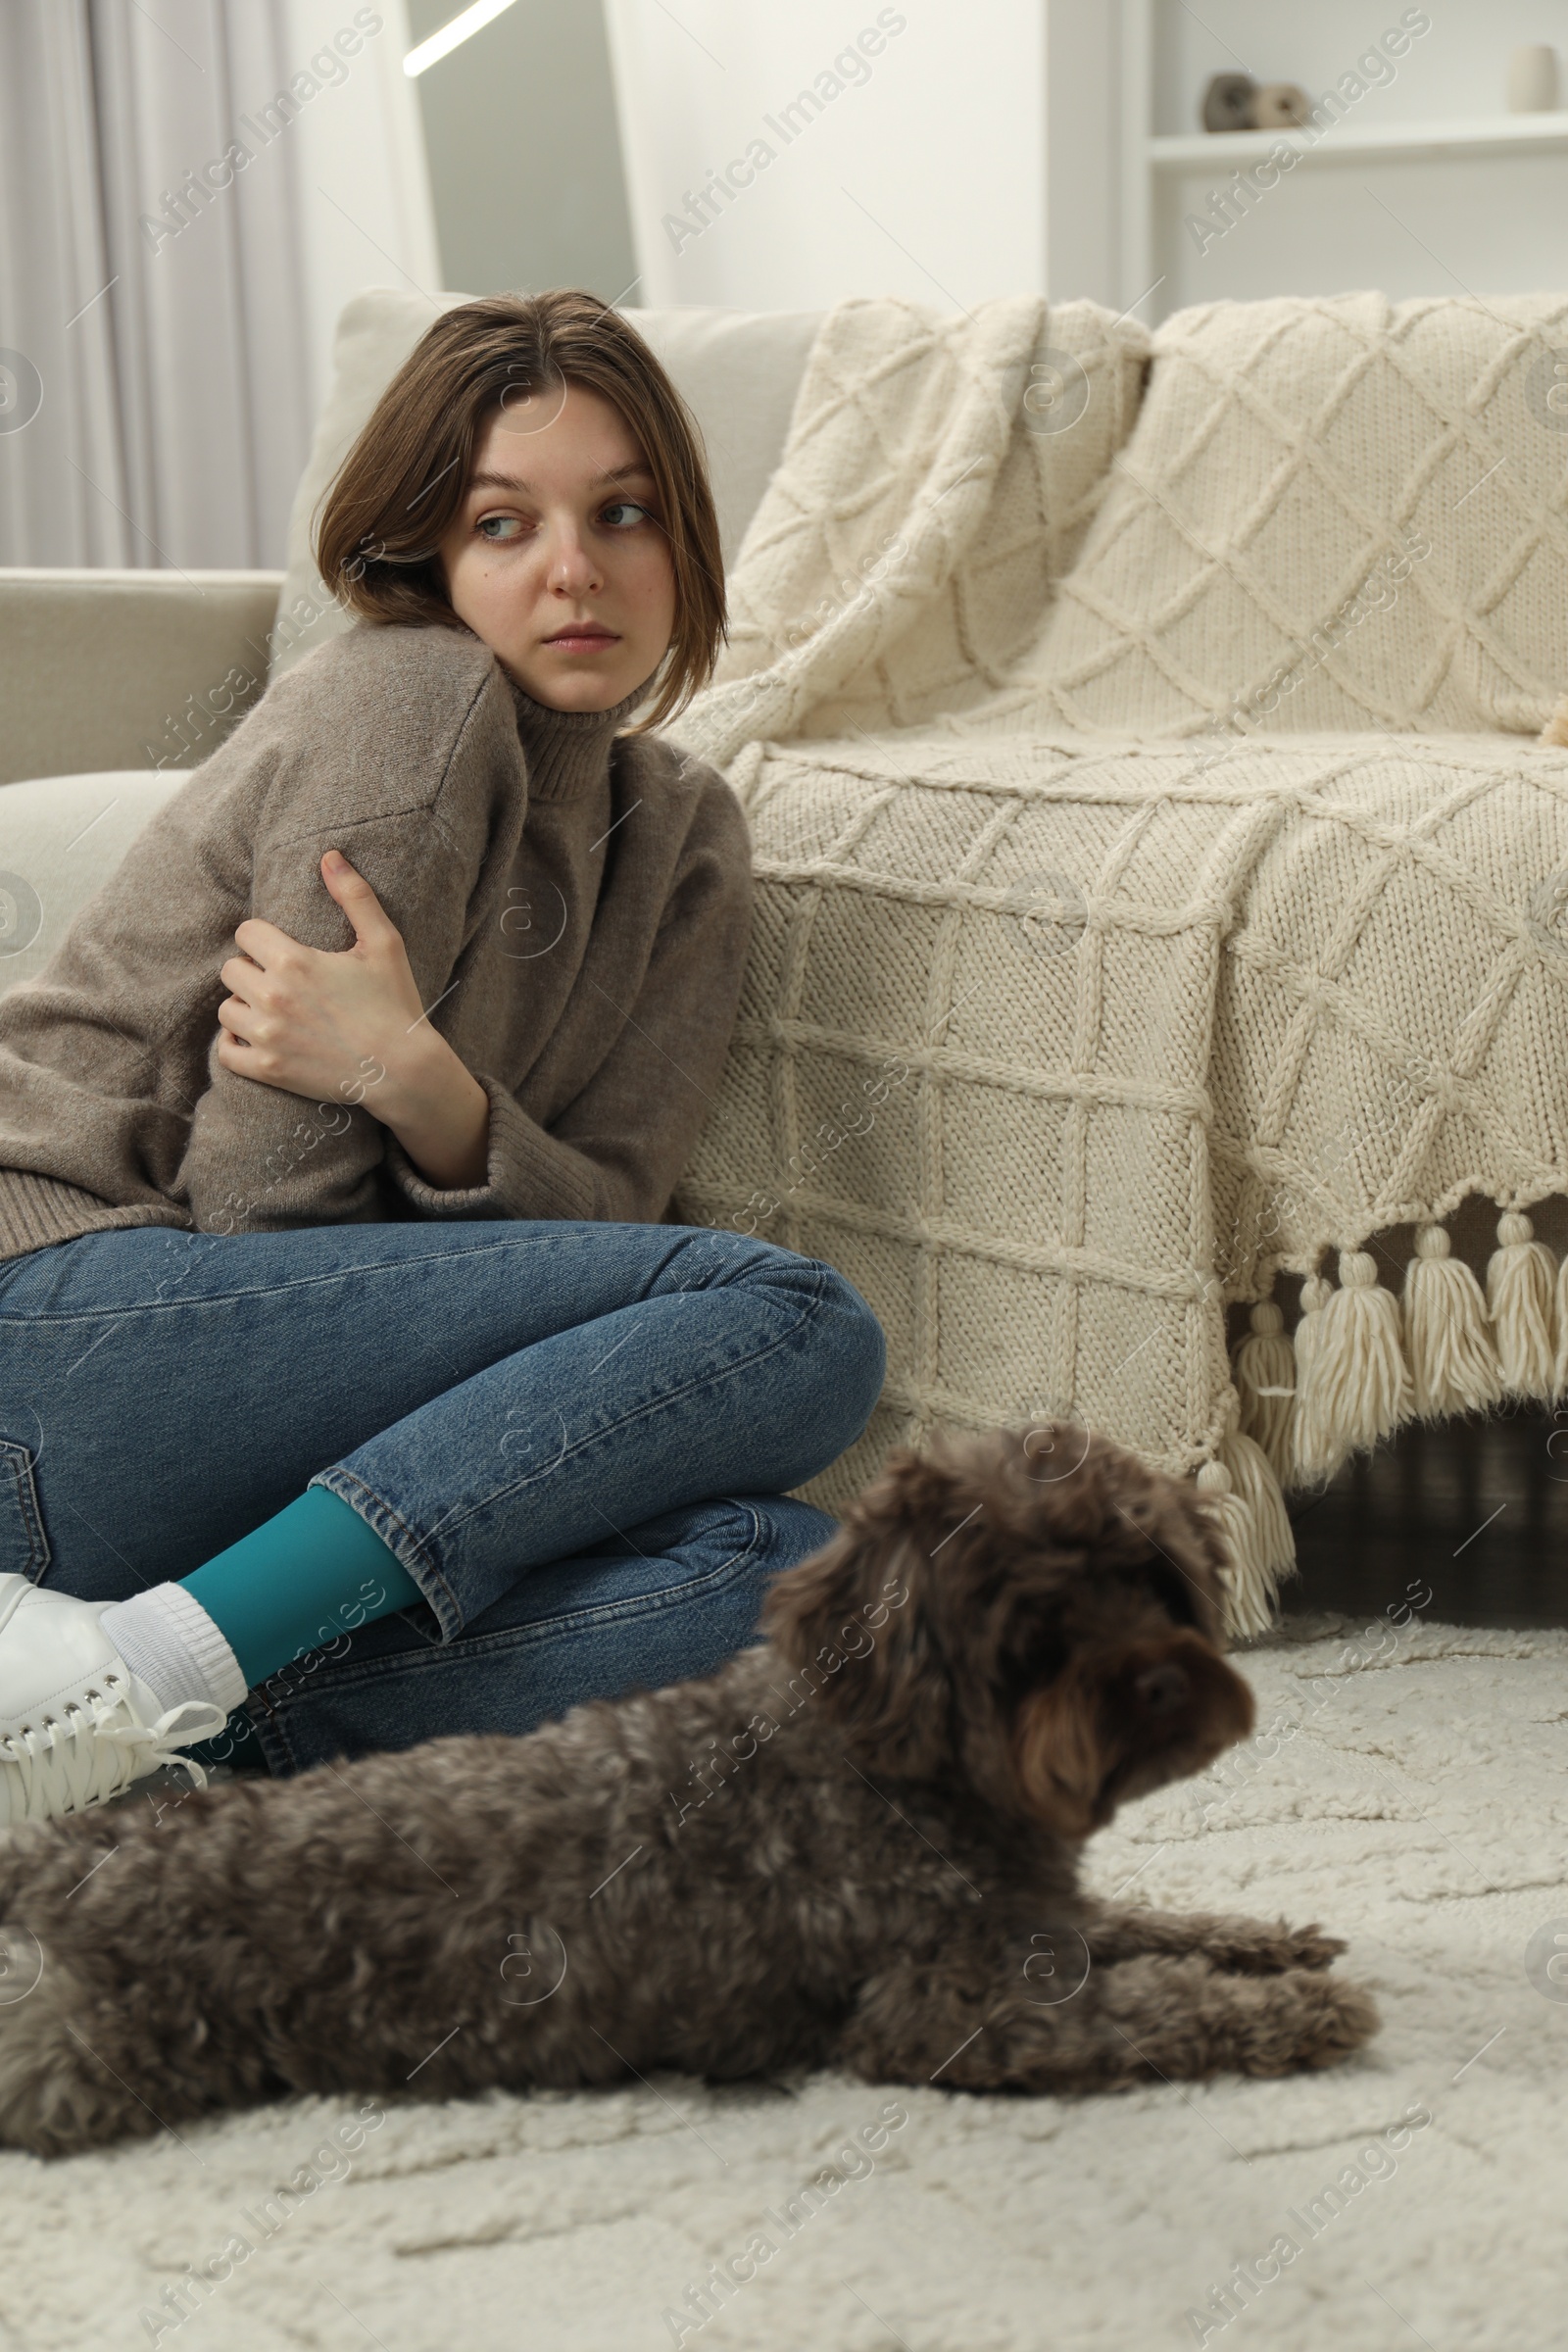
[853, 1622]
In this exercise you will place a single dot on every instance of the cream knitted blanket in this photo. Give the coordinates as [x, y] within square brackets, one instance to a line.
[1062, 1038]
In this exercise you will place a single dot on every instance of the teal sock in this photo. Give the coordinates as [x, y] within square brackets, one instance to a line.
[298, 1579]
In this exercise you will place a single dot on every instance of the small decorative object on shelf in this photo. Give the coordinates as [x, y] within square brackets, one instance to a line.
[1533, 80]
[1281, 106]
[1228, 102]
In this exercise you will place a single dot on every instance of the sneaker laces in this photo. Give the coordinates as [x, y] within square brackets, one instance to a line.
[93, 1750]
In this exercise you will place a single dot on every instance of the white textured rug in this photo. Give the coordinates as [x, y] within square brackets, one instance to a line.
[1419, 1806]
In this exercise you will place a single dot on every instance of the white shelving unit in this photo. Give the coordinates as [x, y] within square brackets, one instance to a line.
[1393, 195]
[1347, 142]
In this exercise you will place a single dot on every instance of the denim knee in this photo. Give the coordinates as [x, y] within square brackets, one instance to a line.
[830, 1365]
[858, 1344]
[792, 1530]
[848, 1350]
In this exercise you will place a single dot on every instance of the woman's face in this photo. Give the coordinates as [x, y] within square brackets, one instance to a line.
[559, 526]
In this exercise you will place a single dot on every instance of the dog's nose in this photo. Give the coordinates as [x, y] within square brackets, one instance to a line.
[1163, 1688]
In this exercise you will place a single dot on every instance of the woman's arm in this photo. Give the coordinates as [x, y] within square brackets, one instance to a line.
[301, 1017]
[616, 1151]
[405, 759]
[109, 1083]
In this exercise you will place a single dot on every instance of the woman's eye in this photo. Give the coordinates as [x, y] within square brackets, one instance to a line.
[502, 529]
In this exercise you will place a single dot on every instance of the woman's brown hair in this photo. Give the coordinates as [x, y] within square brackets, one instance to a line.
[402, 483]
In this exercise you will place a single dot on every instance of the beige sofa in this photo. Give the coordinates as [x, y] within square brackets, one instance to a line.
[115, 684]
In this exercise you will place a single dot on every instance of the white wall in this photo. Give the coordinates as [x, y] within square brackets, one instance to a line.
[922, 176]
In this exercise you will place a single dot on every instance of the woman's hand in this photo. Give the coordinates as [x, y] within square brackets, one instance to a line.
[349, 1026]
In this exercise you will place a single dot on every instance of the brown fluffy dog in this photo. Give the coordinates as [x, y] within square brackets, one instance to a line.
[855, 1846]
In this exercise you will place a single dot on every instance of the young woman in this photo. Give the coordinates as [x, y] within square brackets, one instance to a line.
[354, 1386]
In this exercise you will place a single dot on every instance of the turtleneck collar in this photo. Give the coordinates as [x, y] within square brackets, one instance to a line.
[568, 751]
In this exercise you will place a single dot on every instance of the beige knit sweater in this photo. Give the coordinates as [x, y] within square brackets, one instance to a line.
[575, 907]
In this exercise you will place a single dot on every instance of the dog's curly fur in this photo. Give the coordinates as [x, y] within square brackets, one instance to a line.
[854, 1845]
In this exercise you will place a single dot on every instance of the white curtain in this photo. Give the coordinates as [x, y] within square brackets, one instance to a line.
[189, 191]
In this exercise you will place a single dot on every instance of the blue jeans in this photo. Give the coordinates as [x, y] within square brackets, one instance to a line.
[577, 1437]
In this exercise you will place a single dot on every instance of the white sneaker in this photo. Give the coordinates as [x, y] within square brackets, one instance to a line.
[76, 1725]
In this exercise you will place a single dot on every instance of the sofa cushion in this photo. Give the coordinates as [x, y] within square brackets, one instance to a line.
[61, 838]
[737, 369]
[1330, 513]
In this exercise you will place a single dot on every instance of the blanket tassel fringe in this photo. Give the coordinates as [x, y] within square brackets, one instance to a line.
[1521, 1293]
[1360, 1363]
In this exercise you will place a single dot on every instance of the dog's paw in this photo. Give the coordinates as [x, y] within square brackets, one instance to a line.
[1268, 1950]
[1259, 1947]
[1339, 2017]
[1309, 1948]
[1306, 2019]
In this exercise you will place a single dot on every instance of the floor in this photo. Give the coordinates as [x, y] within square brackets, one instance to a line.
[1477, 1509]
[1409, 1792]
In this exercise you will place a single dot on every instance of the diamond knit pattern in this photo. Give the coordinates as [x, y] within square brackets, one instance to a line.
[1056, 1041]
[1252, 557]
[938, 480]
